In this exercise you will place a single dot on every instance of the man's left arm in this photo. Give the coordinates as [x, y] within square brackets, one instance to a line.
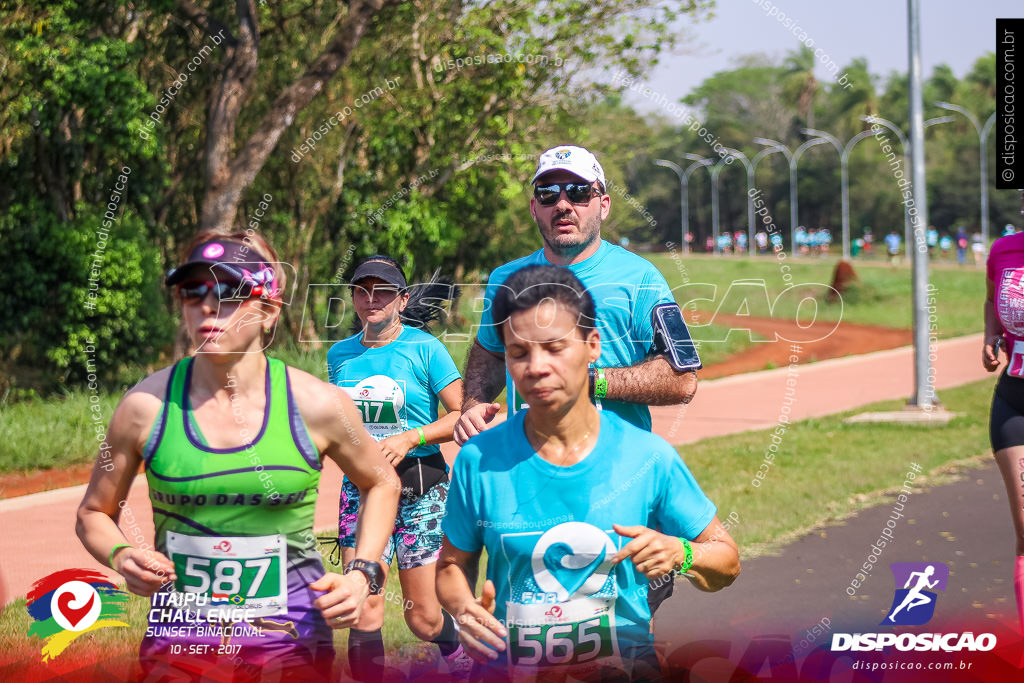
[652, 382]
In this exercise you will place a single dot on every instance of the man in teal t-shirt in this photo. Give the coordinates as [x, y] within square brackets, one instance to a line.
[626, 288]
[569, 203]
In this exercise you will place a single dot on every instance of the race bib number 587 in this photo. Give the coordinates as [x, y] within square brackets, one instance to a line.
[235, 571]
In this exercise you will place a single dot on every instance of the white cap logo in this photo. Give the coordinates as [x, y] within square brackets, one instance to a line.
[576, 160]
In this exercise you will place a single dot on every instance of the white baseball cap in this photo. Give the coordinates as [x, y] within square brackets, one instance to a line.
[576, 160]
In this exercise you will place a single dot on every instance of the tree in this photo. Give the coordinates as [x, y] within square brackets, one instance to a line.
[228, 174]
[846, 105]
[799, 84]
[75, 187]
[428, 170]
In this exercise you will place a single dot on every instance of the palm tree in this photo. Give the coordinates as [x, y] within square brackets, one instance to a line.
[850, 104]
[799, 84]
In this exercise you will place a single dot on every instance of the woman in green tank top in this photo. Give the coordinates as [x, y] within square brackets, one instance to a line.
[232, 443]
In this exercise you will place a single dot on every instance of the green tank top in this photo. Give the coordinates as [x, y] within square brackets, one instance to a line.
[234, 518]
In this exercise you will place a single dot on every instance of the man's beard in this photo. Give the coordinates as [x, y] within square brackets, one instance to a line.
[570, 246]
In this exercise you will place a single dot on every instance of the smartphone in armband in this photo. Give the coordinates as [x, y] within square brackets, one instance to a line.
[672, 338]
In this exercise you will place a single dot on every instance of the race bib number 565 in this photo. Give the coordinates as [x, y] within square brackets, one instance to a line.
[560, 644]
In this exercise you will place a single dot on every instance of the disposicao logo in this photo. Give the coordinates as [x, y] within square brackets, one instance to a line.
[69, 603]
[913, 604]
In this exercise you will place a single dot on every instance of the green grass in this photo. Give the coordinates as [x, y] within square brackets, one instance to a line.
[43, 434]
[825, 469]
[881, 298]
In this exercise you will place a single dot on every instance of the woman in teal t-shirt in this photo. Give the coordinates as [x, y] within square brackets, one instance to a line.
[577, 508]
[396, 374]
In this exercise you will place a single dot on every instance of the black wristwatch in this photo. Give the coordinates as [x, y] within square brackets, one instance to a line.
[371, 570]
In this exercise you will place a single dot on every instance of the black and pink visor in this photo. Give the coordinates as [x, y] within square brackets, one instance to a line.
[227, 261]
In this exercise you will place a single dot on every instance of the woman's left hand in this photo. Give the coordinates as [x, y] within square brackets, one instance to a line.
[654, 553]
[398, 446]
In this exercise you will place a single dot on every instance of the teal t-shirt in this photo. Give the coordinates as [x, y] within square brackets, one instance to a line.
[549, 538]
[395, 386]
[625, 288]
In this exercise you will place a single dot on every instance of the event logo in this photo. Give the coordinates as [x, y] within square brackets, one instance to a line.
[68, 603]
[572, 560]
[914, 603]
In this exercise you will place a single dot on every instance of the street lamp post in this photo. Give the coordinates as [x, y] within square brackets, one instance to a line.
[716, 170]
[700, 162]
[905, 147]
[750, 192]
[794, 159]
[844, 158]
[682, 196]
[842, 183]
[924, 390]
[775, 146]
[684, 178]
[983, 132]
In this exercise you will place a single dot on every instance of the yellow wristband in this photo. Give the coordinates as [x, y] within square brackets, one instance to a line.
[423, 437]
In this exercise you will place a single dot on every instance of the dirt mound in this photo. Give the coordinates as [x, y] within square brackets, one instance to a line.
[832, 341]
[844, 275]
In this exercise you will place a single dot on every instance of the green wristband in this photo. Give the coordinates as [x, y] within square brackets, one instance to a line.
[600, 384]
[688, 559]
[113, 551]
[423, 437]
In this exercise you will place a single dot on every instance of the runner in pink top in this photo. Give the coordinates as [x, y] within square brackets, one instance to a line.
[1004, 327]
[1006, 292]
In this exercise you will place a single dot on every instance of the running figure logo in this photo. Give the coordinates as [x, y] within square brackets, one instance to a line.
[914, 603]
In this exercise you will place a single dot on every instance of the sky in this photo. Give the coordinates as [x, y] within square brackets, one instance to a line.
[955, 32]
